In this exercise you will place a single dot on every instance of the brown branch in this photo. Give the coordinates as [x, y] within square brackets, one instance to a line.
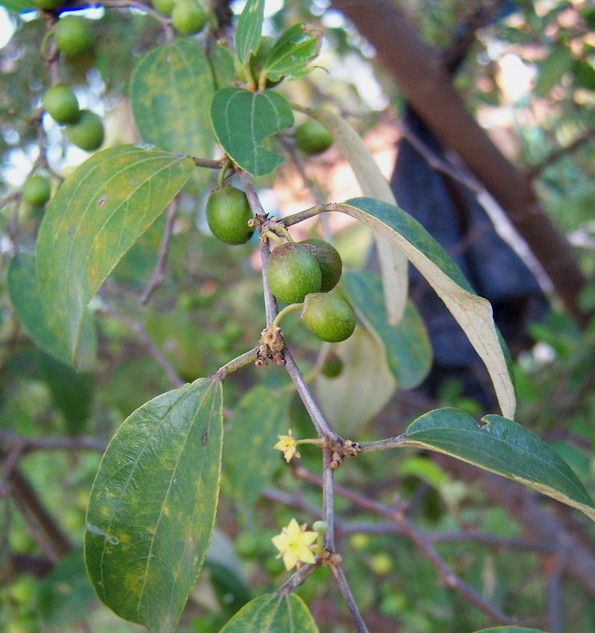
[420, 73]
[535, 171]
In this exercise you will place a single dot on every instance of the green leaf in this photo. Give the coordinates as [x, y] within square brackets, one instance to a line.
[249, 457]
[473, 313]
[97, 214]
[273, 613]
[362, 389]
[170, 94]
[153, 504]
[243, 119]
[222, 65]
[19, 5]
[249, 29]
[552, 68]
[292, 53]
[510, 629]
[66, 595]
[503, 447]
[408, 349]
[26, 301]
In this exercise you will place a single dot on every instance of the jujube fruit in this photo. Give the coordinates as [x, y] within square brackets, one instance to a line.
[73, 36]
[36, 191]
[293, 272]
[332, 367]
[61, 104]
[87, 133]
[312, 137]
[165, 7]
[228, 212]
[188, 17]
[329, 260]
[329, 317]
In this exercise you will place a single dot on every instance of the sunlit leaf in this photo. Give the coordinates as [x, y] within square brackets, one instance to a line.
[408, 349]
[249, 29]
[98, 213]
[503, 447]
[473, 313]
[170, 93]
[242, 120]
[393, 264]
[273, 613]
[153, 503]
[292, 53]
[249, 457]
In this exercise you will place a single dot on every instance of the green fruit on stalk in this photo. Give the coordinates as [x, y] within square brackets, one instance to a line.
[329, 260]
[165, 7]
[312, 137]
[61, 104]
[228, 212]
[293, 272]
[328, 317]
[73, 36]
[188, 17]
[36, 191]
[87, 133]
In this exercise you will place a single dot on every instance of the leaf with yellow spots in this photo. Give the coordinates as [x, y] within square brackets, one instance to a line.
[152, 507]
[97, 214]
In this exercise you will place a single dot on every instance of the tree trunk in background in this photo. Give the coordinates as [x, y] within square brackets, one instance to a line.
[419, 72]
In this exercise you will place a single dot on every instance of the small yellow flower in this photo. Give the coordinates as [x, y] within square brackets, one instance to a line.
[288, 445]
[295, 545]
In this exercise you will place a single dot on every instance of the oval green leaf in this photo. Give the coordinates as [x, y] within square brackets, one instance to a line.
[249, 457]
[170, 93]
[503, 447]
[242, 120]
[473, 313]
[273, 613]
[292, 53]
[152, 506]
[97, 214]
[408, 349]
[26, 301]
[249, 29]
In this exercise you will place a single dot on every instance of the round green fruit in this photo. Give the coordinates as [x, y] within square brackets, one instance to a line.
[332, 367]
[293, 272]
[329, 260]
[312, 137]
[61, 104]
[87, 133]
[73, 36]
[165, 7]
[36, 191]
[23, 589]
[23, 624]
[228, 212]
[329, 317]
[188, 17]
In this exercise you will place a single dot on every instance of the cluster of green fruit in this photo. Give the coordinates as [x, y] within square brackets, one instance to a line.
[297, 272]
[187, 16]
[73, 37]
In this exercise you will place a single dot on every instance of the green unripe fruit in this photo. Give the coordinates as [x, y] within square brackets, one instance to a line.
[23, 588]
[333, 366]
[22, 624]
[61, 104]
[329, 260]
[73, 36]
[312, 137]
[165, 7]
[228, 212]
[36, 191]
[329, 317]
[87, 133]
[188, 17]
[293, 272]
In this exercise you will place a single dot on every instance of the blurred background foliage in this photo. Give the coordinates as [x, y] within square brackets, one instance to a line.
[529, 79]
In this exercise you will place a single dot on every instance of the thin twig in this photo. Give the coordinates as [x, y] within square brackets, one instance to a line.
[536, 170]
[158, 276]
[349, 599]
[139, 329]
[328, 505]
